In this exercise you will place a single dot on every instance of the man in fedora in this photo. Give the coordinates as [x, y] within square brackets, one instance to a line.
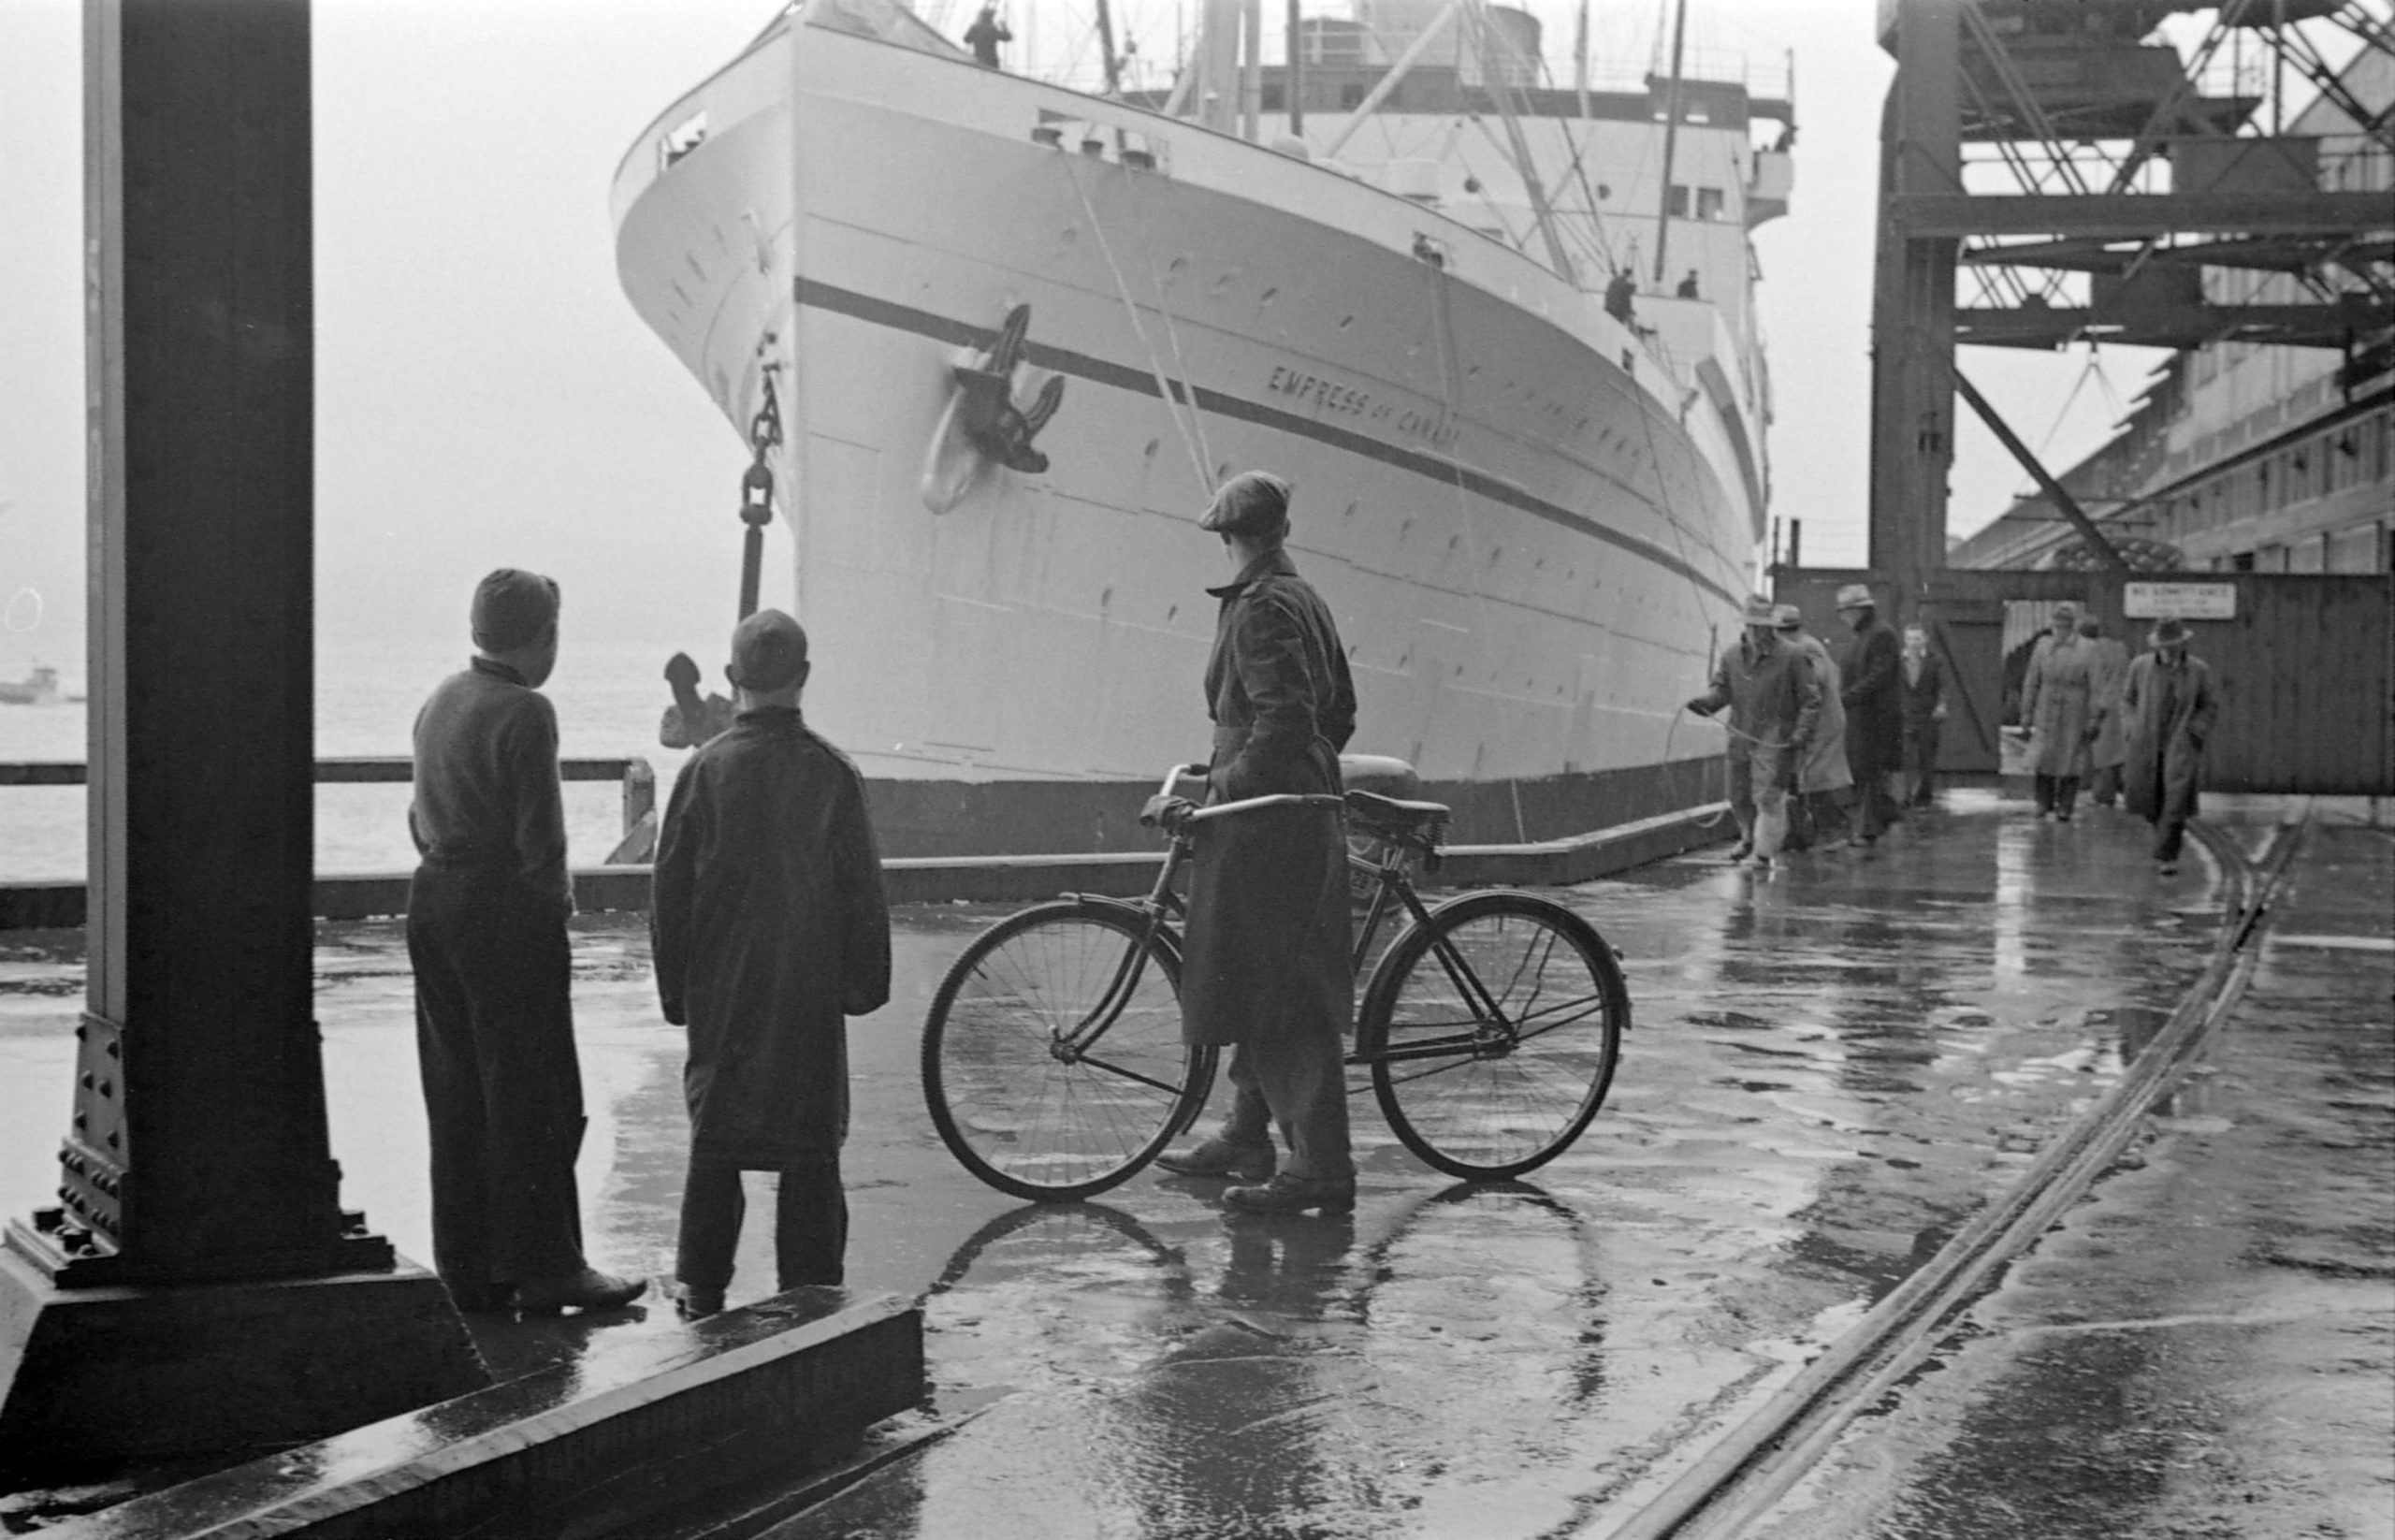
[2167, 703]
[494, 971]
[1872, 694]
[767, 928]
[1774, 703]
[1265, 961]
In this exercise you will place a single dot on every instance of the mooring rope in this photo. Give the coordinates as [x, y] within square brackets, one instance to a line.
[1195, 445]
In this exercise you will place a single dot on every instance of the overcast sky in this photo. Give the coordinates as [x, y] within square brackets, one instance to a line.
[486, 395]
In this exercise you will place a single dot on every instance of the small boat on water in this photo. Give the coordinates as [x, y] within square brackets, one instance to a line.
[38, 688]
[1500, 336]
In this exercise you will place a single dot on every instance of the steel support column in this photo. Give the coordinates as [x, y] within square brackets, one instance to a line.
[1912, 309]
[199, 1287]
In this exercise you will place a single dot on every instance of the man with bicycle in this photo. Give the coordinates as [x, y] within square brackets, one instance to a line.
[1266, 964]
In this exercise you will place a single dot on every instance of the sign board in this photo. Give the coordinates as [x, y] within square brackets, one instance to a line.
[2188, 601]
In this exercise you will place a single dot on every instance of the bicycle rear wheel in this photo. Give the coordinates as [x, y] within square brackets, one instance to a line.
[1053, 1061]
[1492, 1032]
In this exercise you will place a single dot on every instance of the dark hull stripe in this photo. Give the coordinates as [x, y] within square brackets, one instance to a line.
[942, 329]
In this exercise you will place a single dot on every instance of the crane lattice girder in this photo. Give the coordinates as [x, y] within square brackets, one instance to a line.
[2289, 254]
[2179, 326]
[2138, 216]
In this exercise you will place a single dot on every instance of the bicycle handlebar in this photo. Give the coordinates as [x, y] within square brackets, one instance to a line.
[1279, 799]
[1174, 773]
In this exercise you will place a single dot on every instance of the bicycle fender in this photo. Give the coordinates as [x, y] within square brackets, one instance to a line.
[1167, 937]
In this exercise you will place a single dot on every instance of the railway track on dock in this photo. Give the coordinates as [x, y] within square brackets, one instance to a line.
[1738, 1480]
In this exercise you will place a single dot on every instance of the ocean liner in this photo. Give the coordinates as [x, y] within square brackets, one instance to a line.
[999, 338]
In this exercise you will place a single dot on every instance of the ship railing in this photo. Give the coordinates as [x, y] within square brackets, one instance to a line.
[635, 775]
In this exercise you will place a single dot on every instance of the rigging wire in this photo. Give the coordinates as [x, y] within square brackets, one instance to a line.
[1199, 458]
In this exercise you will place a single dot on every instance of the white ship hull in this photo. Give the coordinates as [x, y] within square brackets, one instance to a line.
[1533, 535]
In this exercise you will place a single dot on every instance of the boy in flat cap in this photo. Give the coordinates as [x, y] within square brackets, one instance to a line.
[486, 937]
[768, 926]
[1265, 964]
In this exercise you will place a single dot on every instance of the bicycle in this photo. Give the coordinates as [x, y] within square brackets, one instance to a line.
[1054, 1066]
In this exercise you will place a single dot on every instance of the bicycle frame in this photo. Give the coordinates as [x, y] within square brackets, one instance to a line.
[1492, 1035]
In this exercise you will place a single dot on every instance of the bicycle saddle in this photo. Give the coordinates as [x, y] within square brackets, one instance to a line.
[1379, 774]
[1404, 817]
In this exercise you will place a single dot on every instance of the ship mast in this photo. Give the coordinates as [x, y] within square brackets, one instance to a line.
[1106, 50]
[1579, 59]
[1671, 137]
[1497, 58]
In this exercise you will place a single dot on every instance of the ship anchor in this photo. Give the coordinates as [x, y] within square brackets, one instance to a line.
[982, 426]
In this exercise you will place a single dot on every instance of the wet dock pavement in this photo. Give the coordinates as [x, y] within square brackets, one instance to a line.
[2206, 1345]
[1831, 1069]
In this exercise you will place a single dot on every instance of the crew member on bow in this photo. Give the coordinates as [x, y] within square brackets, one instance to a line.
[1266, 962]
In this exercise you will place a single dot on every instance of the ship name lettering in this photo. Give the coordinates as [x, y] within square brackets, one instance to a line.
[1327, 394]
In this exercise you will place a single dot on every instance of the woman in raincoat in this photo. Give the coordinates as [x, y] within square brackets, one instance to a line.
[2167, 703]
[2057, 701]
[2108, 666]
[1822, 776]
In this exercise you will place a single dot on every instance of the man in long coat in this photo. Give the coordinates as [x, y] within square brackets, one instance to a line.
[2168, 702]
[1925, 701]
[768, 927]
[1822, 778]
[1265, 958]
[2058, 706]
[494, 971]
[1874, 721]
[1775, 708]
[2107, 667]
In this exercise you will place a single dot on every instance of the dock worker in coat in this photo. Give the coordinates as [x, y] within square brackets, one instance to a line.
[2058, 706]
[2167, 703]
[2107, 667]
[1775, 706]
[487, 939]
[768, 928]
[1266, 962]
[1874, 711]
[1823, 779]
[1924, 698]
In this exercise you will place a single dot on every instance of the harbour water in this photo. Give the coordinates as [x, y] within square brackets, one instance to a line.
[608, 695]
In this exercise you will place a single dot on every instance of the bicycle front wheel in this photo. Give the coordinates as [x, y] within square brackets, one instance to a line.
[1492, 1032]
[1053, 1060]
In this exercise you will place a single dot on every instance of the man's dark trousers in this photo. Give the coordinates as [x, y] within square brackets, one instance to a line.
[810, 1224]
[502, 1085]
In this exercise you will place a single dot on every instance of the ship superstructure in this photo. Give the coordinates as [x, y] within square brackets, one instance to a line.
[1015, 333]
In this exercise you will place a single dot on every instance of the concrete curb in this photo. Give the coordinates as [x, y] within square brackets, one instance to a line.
[994, 879]
[1583, 858]
[775, 1387]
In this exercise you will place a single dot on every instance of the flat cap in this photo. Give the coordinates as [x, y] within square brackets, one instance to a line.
[1854, 596]
[1761, 611]
[1253, 502]
[513, 608]
[768, 652]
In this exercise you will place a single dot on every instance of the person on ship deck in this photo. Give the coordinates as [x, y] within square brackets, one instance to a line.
[984, 36]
